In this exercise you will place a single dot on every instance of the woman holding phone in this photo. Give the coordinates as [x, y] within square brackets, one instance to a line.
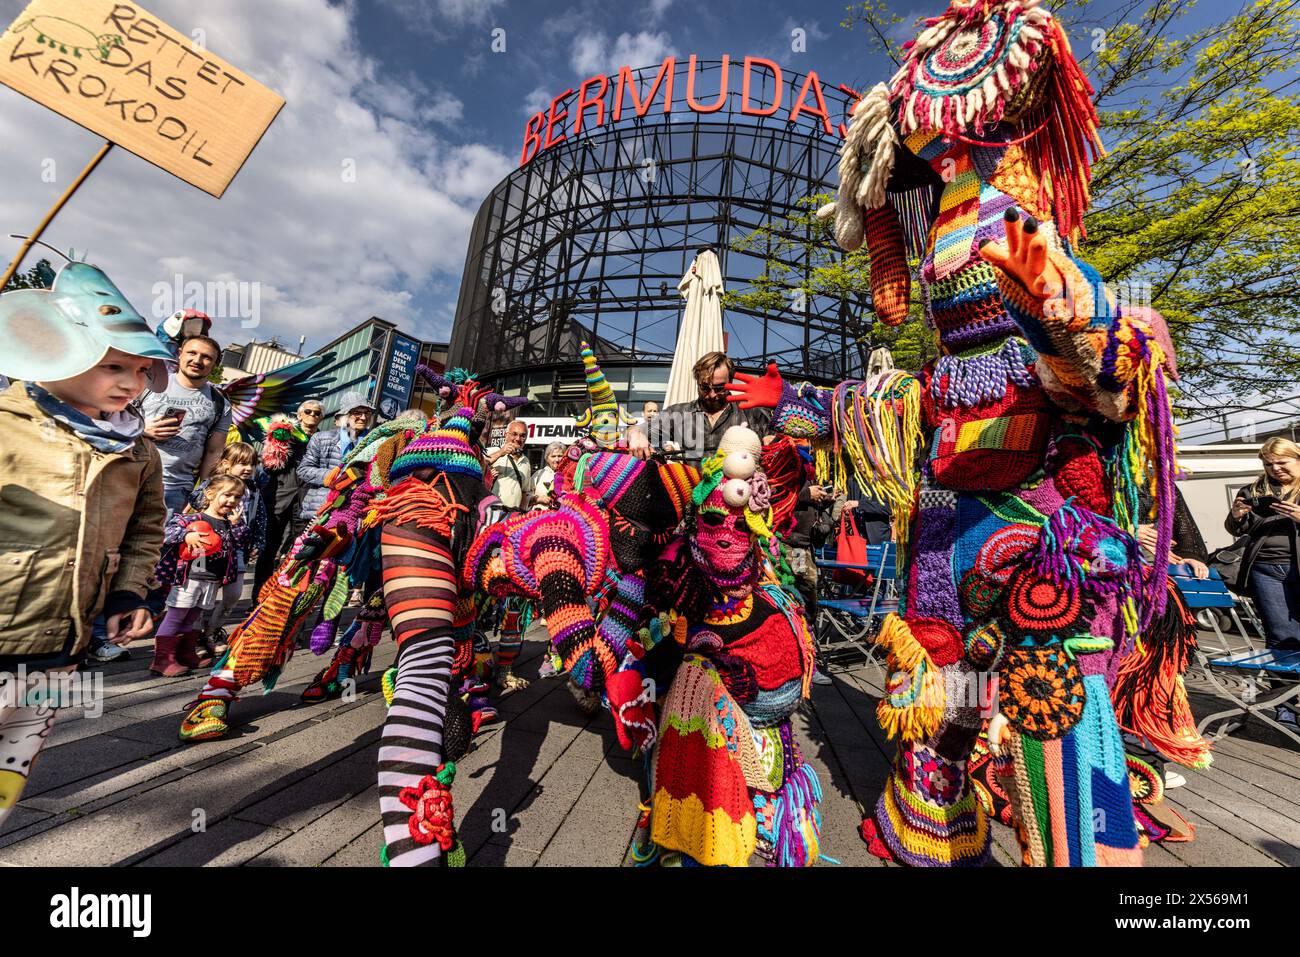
[1267, 512]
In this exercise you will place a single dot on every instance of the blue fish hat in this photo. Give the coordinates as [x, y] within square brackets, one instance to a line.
[61, 332]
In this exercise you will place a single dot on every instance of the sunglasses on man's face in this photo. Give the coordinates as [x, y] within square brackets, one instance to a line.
[315, 413]
[716, 389]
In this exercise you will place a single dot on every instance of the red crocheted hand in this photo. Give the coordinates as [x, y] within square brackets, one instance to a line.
[756, 391]
[632, 704]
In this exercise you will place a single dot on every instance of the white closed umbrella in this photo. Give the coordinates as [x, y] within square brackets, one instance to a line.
[701, 328]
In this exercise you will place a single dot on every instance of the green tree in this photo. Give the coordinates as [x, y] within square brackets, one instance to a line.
[1196, 205]
[40, 276]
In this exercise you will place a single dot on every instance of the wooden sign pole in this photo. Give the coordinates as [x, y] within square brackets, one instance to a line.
[30, 241]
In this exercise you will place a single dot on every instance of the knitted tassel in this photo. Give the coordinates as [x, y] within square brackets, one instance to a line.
[1149, 696]
[889, 275]
[1064, 149]
[797, 820]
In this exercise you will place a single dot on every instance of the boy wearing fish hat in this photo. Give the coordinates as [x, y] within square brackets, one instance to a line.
[81, 500]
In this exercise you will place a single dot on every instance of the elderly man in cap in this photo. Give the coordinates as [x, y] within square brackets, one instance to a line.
[327, 450]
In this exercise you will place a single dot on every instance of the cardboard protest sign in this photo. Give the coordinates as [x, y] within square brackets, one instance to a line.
[119, 71]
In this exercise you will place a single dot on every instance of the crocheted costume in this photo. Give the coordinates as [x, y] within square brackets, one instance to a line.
[727, 780]
[603, 420]
[406, 503]
[613, 515]
[1008, 459]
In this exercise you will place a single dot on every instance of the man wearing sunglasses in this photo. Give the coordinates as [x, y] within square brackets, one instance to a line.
[283, 493]
[695, 428]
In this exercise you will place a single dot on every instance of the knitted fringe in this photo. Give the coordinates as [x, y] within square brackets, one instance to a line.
[866, 162]
[970, 381]
[915, 697]
[798, 821]
[1155, 436]
[877, 438]
[412, 500]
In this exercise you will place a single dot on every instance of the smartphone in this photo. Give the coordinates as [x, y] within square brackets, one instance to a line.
[1263, 506]
[175, 413]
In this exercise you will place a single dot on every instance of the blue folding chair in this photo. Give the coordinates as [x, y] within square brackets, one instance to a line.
[1211, 595]
[850, 616]
[1238, 670]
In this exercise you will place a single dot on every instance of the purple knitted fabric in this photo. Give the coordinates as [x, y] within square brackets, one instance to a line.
[933, 591]
[970, 381]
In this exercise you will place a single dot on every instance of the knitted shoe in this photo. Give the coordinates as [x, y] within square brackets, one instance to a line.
[331, 682]
[389, 684]
[875, 845]
[206, 720]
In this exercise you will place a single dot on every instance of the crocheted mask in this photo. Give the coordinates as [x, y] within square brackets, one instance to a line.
[721, 540]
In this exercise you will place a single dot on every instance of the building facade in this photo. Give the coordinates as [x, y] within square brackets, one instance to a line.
[379, 360]
[621, 183]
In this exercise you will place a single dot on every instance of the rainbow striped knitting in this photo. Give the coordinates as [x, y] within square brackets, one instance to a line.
[603, 419]
[442, 447]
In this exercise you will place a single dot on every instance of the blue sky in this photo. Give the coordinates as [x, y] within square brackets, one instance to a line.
[410, 93]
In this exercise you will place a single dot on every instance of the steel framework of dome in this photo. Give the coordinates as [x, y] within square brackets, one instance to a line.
[588, 239]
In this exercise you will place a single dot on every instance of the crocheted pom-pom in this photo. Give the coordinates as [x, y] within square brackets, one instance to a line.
[735, 492]
[740, 464]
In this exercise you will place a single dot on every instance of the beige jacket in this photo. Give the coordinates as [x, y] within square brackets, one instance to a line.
[76, 525]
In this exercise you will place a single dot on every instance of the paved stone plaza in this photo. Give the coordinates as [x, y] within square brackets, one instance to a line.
[545, 785]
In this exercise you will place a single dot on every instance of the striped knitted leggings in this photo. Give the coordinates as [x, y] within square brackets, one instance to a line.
[420, 593]
[510, 638]
[411, 748]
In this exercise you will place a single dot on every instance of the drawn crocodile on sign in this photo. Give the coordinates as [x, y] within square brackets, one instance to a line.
[66, 36]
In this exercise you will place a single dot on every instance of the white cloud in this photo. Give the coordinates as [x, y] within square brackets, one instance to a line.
[813, 30]
[469, 172]
[658, 8]
[443, 17]
[592, 53]
[537, 100]
[325, 252]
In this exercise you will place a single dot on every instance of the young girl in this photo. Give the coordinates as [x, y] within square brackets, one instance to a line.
[199, 558]
[240, 460]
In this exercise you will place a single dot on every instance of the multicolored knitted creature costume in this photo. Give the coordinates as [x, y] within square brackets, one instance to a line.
[1046, 404]
[338, 551]
[614, 515]
[727, 778]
